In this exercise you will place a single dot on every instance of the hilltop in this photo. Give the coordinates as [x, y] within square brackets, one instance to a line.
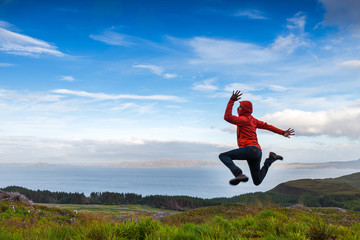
[345, 185]
[342, 192]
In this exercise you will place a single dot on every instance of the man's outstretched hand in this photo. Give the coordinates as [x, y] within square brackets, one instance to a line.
[289, 132]
[236, 95]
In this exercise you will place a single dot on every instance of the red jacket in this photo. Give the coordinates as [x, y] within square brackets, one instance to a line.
[247, 124]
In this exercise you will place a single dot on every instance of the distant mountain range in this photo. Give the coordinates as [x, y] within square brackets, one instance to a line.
[338, 165]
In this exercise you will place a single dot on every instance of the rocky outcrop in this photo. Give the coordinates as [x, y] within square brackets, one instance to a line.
[14, 197]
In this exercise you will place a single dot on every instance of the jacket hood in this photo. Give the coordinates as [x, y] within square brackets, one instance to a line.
[246, 108]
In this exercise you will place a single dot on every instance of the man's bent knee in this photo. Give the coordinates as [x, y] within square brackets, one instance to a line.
[257, 182]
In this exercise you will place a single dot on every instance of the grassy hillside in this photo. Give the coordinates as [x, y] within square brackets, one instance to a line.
[317, 187]
[352, 179]
[346, 185]
[232, 221]
[342, 192]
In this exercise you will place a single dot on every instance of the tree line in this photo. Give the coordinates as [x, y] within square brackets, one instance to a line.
[112, 198]
[179, 203]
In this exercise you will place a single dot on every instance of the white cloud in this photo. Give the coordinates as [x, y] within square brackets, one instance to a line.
[19, 44]
[250, 13]
[66, 78]
[288, 44]
[104, 96]
[340, 122]
[169, 75]
[277, 88]
[6, 25]
[297, 22]
[205, 86]
[229, 52]
[156, 70]
[124, 106]
[6, 64]
[113, 38]
[214, 51]
[17, 96]
[295, 39]
[241, 87]
[351, 64]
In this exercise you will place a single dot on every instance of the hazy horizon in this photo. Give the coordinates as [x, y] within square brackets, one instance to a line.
[203, 164]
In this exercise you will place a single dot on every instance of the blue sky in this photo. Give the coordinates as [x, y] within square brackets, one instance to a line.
[146, 83]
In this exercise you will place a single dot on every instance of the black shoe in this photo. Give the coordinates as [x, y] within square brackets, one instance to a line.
[240, 178]
[275, 157]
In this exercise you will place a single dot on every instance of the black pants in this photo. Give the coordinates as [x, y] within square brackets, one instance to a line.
[253, 157]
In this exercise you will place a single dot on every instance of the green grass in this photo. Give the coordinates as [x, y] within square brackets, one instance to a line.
[21, 221]
[111, 212]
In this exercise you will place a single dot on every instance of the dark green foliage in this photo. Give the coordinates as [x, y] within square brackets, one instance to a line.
[114, 198]
[111, 198]
[44, 196]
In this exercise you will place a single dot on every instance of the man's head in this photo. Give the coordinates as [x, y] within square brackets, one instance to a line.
[245, 108]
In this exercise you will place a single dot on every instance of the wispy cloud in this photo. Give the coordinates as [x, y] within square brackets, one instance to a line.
[104, 96]
[205, 86]
[6, 64]
[277, 88]
[216, 51]
[156, 70]
[6, 25]
[296, 37]
[297, 22]
[288, 44]
[250, 13]
[113, 38]
[231, 52]
[66, 78]
[20, 44]
[240, 86]
[351, 64]
[18, 96]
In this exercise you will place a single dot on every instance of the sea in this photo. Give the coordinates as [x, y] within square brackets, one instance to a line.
[201, 182]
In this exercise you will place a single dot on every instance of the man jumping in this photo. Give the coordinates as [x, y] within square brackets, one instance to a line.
[249, 148]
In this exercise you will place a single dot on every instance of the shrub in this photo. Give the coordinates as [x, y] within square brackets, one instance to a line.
[320, 231]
